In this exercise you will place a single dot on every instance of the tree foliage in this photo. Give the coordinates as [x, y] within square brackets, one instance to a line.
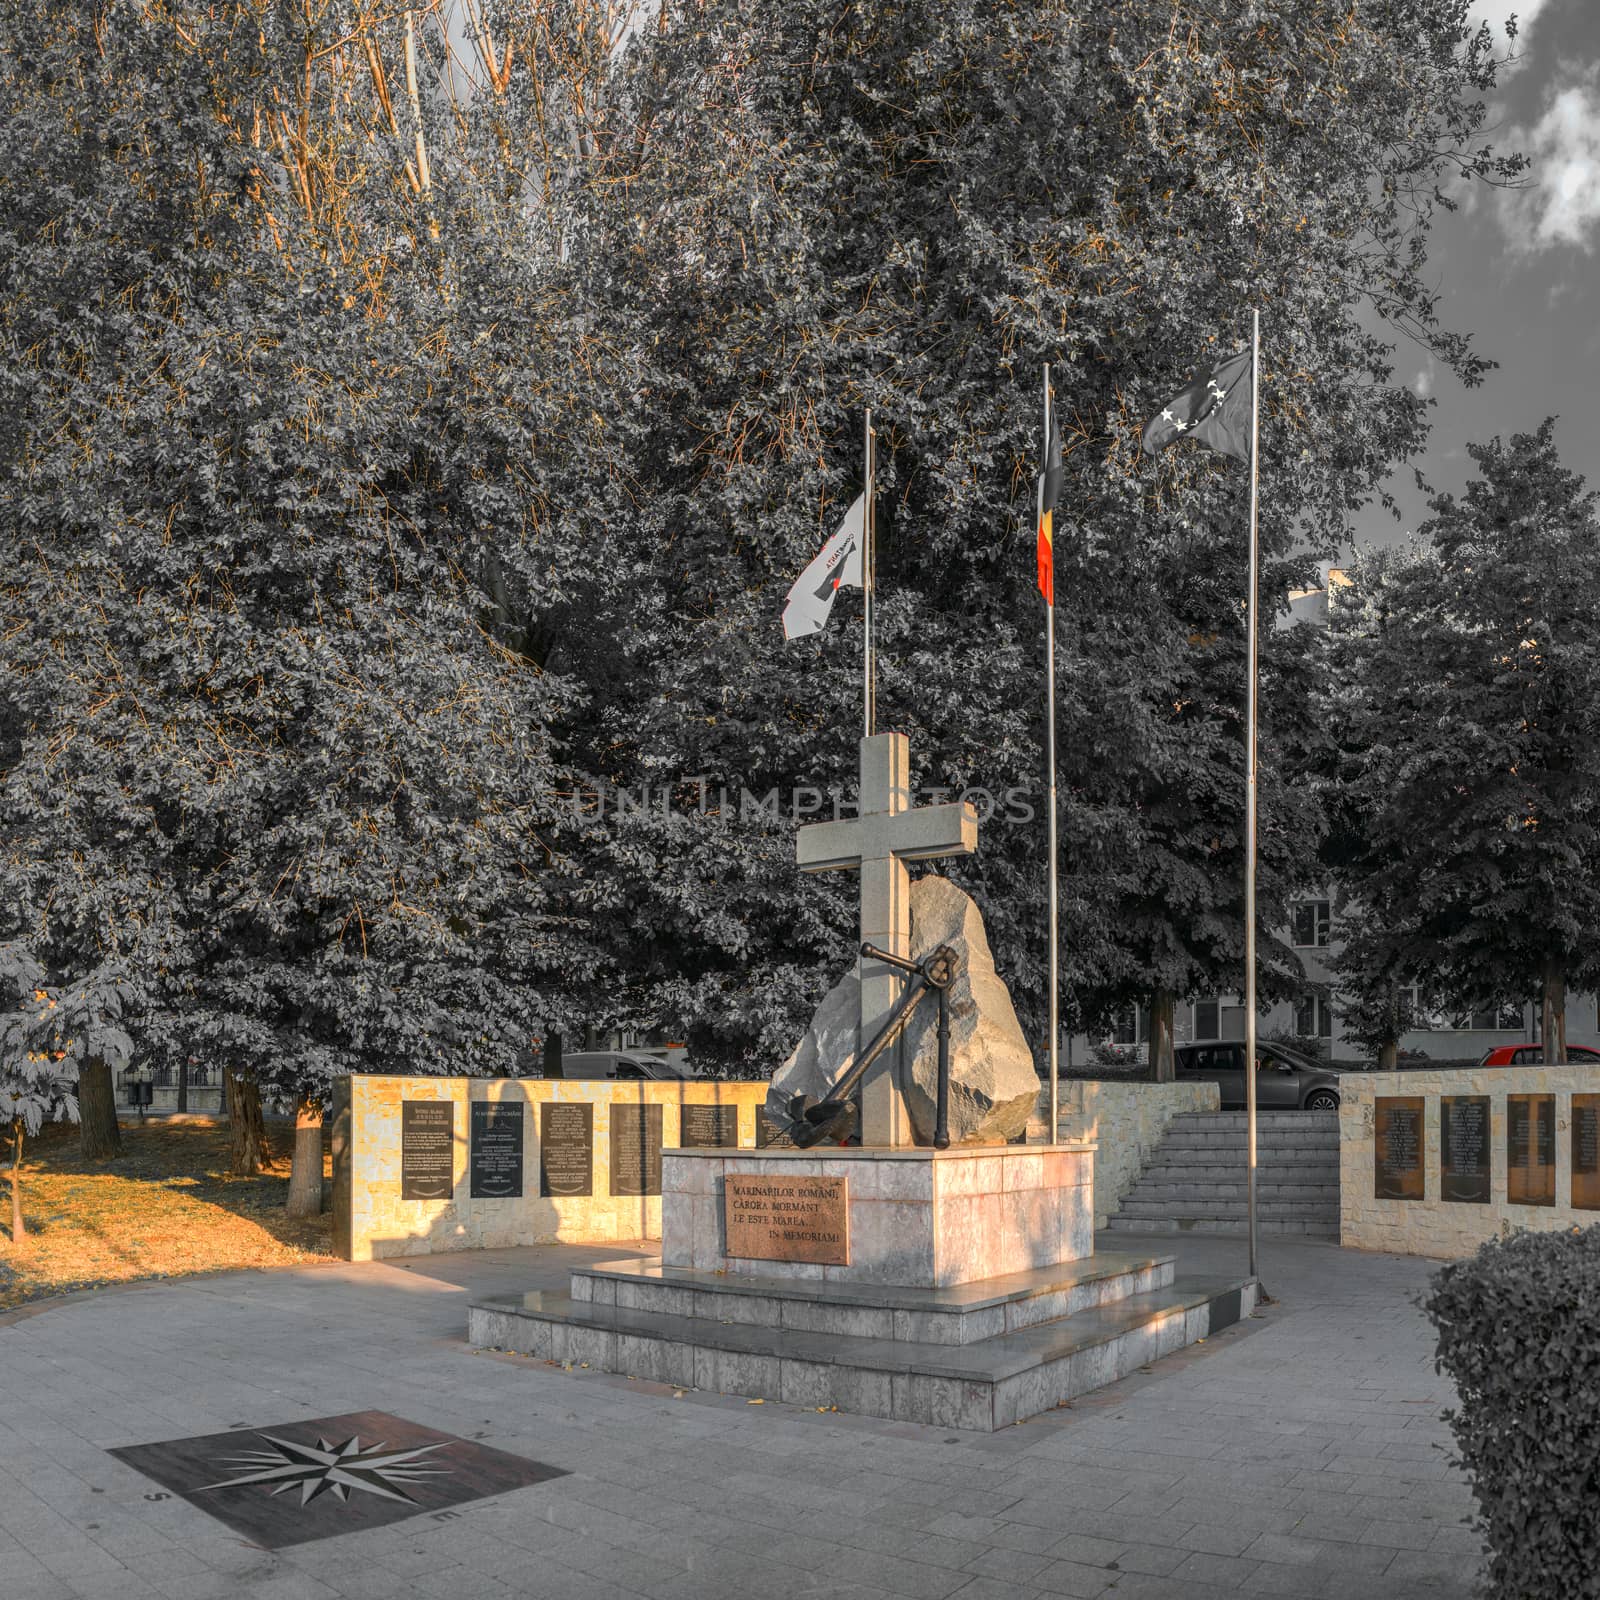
[402, 438]
[1464, 698]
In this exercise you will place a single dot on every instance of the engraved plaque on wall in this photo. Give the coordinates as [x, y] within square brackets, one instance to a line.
[636, 1149]
[1586, 1152]
[1531, 1149]
[770, 1132]
[771, 1217]
[494, 1157]
[1464, 1148]
[708, 1127]
[427, 1149]
[1397, 1147]
[566, 1148]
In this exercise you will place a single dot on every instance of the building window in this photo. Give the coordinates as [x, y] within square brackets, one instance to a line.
[1313, 1018]
[1309, 922]
[1205, 1019]
[1125, 1027]
[1502, 1017]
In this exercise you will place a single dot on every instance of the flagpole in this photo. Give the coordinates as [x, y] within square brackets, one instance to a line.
[869, 689]
[1050, 747]
[1252, 607]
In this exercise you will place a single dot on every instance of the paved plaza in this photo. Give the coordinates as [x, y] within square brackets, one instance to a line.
[1299, 1454]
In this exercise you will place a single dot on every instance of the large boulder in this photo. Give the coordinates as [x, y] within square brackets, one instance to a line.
[993, 1085]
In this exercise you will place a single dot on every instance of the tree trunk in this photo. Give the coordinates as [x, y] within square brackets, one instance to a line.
[1389, 1055]
[99, 1137]
[1553, 1013]
[249, 1137]
[18, 1232]
[305, 1169]
[183, 1084]
[552, 1055]
[1163, 1065]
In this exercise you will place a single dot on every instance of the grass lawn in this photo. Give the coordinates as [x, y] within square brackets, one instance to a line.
[164, 1208]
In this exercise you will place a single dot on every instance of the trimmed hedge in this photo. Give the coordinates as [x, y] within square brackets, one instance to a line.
[1519, 1332]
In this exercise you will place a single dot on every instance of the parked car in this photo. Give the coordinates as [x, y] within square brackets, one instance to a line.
[621, 1066]
[1531, 1055]
[1285, 1079]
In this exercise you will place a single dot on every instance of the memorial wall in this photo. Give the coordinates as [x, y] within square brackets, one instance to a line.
[427, 1164]
[1433, 1163]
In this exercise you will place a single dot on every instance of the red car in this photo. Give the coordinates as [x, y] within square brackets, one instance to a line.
[1531, 1055]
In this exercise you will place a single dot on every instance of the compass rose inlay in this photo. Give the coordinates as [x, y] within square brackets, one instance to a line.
[291, 1482]
[330, 1468]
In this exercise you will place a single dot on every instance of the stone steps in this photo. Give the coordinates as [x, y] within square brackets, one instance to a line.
[1292, 1227]
[1169, 1174]
[1224, 1159]
[1267, 1194]
[1196, 1180]
[963, 1314]
[1308, 1208]
[989, 1384]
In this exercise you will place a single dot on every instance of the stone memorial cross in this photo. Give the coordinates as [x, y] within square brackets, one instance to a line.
[886, 833]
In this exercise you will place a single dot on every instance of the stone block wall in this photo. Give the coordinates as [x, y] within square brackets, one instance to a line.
[1128, 1120]
[1433, 1226]
[371, 1220]
[918, 1218]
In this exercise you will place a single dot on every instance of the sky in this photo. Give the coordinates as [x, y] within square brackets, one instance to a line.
[1518, 270]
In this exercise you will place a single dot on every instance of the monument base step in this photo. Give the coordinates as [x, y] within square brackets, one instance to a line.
[962, 1314]
[984, 1385]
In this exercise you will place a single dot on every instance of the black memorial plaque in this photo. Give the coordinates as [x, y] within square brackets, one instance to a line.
[708, 1127]
[566, 1148]
[1397, 1147]
[1531, 1149]
[292, 1482]
[636, 1150]
[770, 1132]
[495, 1155]
[427, 1149]
[1464, 1148]
[1586, 1152]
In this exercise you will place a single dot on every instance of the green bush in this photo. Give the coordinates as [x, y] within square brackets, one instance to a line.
[1519, 1332]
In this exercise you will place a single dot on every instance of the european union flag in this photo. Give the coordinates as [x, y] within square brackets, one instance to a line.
[1214, 409]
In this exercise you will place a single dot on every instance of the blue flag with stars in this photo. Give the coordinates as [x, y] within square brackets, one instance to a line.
[1215, 409]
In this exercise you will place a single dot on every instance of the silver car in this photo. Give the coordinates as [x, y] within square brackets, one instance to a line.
[621, 1066]
[1285, 1079]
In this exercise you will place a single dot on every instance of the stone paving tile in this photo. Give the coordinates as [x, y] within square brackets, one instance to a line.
[1014, 1566]
[1153, 1560]
[1073, 1578]
[1310, 1431]
[1087, 1550]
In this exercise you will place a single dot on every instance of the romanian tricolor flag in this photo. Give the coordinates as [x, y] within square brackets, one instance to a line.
[1049, 495]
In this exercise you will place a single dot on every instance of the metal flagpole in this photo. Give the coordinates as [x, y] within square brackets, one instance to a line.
[1252, 606]
[869, 689]
[1050, 746]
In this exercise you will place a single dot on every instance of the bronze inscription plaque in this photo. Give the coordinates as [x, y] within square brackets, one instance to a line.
[1397, 1158]
[1464, 1148]
[776, 1218]
[1531, 1149]
[1586, 1152]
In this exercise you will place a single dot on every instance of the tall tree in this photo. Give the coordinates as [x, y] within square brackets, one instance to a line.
[911, 206]
[1466, 700]
[299, 452]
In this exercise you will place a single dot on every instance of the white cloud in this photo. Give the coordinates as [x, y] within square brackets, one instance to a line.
[1561, 204]
[1423, 382]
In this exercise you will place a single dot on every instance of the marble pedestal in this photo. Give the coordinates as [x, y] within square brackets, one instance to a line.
[919, 1218]
[972, 1297]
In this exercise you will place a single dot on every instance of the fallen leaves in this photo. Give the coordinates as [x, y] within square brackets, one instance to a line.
[165, 1208]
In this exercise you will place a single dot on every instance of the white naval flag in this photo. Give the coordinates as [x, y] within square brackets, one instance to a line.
[838, 562]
